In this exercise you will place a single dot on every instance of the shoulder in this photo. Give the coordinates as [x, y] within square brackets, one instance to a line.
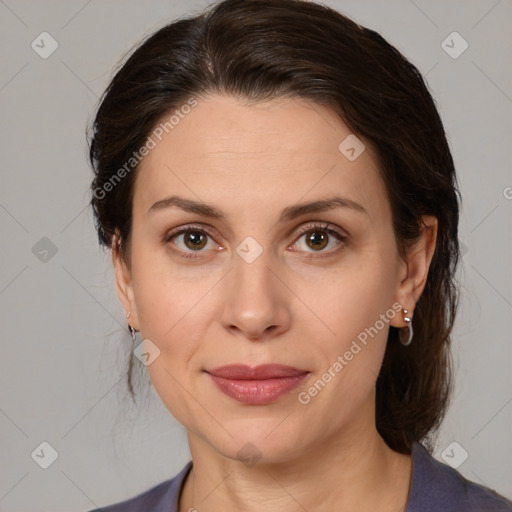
[437, 486]
[160, 498]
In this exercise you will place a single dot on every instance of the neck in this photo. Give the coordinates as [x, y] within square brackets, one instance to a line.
[349, 472]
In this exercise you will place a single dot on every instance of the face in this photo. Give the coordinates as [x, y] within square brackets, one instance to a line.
[265, 283]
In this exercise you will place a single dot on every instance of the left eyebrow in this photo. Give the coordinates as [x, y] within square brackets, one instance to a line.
[319, 206]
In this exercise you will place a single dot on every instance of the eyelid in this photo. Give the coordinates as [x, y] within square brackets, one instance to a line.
[188, 227]
[326, 226]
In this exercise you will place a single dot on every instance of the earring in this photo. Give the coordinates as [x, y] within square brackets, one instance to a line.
[130, 328]
[405, 334]
[132, 332]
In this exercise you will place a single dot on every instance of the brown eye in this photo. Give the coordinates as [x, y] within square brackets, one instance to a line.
[194, 240]
[317, 240]
[314, 239]
[190, 242]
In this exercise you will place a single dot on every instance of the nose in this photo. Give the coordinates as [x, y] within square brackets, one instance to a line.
[257, 300]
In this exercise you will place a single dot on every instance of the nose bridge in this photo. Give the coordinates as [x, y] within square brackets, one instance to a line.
[256, 299]
[252, 271]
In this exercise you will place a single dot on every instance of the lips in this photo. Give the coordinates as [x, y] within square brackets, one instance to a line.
[265, 371]
[258, 385]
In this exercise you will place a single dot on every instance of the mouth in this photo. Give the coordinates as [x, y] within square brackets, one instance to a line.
[258, 385]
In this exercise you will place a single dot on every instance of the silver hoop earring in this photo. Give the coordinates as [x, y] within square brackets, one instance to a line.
[132, 332]
[406, 333]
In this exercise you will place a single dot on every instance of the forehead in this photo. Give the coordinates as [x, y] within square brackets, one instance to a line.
[242, 157]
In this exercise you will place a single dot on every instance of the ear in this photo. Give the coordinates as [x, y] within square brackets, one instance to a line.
[123, 281]
[414, 270]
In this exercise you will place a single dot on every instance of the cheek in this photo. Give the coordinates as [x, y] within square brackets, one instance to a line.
[351, 298]
[356, 305]
[163, 294]
[170, 316]
[167, 310]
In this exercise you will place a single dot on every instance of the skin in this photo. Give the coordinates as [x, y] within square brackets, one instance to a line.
[288, 306]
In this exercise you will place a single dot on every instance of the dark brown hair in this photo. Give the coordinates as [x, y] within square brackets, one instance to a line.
[265, 49]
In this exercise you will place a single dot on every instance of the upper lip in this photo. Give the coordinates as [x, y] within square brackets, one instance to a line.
[264, 371]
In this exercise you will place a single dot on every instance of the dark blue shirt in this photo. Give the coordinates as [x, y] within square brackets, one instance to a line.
[435, 487]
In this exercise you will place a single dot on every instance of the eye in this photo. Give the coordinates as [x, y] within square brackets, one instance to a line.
[191, 240]
[319, 236]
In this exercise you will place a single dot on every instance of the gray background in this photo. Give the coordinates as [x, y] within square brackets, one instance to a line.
[63, 338]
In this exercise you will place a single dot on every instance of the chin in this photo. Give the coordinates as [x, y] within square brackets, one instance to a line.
[260, 441]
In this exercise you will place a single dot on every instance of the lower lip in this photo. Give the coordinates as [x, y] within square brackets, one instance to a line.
[257, 392]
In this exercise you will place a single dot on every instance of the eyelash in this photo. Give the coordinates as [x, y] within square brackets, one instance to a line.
[306, 229]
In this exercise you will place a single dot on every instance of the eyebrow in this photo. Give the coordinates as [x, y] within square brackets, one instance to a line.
[288, 213]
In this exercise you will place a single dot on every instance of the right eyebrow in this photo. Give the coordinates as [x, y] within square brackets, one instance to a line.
[187, 205]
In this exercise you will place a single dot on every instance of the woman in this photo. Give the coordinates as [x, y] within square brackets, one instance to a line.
[281, 203]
